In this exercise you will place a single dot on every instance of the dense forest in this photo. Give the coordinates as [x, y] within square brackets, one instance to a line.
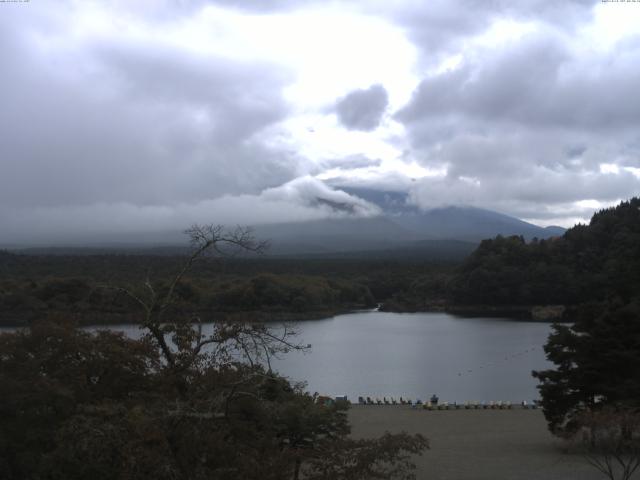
[216, 289]
[588, 263]
[510, 276]
[594, 385]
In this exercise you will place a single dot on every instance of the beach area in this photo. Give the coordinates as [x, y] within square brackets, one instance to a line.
[477, 444]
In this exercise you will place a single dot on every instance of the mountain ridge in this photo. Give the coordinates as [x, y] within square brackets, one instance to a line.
[399, 225]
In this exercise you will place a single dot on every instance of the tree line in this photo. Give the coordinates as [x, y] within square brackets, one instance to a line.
[588, 263]
[221, 288]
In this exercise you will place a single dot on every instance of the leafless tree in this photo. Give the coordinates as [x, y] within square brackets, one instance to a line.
[182, 341]
[610, 441]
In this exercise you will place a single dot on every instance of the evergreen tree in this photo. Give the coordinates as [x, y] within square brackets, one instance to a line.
[597, 364]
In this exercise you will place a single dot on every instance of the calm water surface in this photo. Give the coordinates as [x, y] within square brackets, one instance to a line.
[416, 355]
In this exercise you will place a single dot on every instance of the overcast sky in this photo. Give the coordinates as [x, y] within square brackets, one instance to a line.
[151, 115]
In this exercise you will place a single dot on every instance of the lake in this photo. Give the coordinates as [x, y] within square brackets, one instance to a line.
[415, 355]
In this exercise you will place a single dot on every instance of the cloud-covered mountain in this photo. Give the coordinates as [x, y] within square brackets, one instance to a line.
[332, 220]
[401, 225]
[237, 112]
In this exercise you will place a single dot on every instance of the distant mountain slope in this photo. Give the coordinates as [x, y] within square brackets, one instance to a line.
[468, 223]
[554, 231]
[335, 235]
[400, 226]
[458, 222]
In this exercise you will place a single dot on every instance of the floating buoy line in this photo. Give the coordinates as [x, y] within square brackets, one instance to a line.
[507, 358]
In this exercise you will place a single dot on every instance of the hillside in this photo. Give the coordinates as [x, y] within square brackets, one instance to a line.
[588, 263]
[401, 226]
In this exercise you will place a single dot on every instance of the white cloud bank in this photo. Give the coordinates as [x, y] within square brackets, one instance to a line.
[147, 116]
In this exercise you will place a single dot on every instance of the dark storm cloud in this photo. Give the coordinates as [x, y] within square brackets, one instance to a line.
[363, 109]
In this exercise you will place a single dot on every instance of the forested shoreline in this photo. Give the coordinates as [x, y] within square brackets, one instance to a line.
[506, 276]
[87, 287]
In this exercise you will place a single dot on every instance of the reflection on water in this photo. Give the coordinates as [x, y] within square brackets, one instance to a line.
[415, 355]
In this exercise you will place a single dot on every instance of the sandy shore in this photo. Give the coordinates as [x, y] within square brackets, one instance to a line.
[477, 444]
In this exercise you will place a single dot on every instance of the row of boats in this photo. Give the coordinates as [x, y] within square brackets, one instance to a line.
[435, 404]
